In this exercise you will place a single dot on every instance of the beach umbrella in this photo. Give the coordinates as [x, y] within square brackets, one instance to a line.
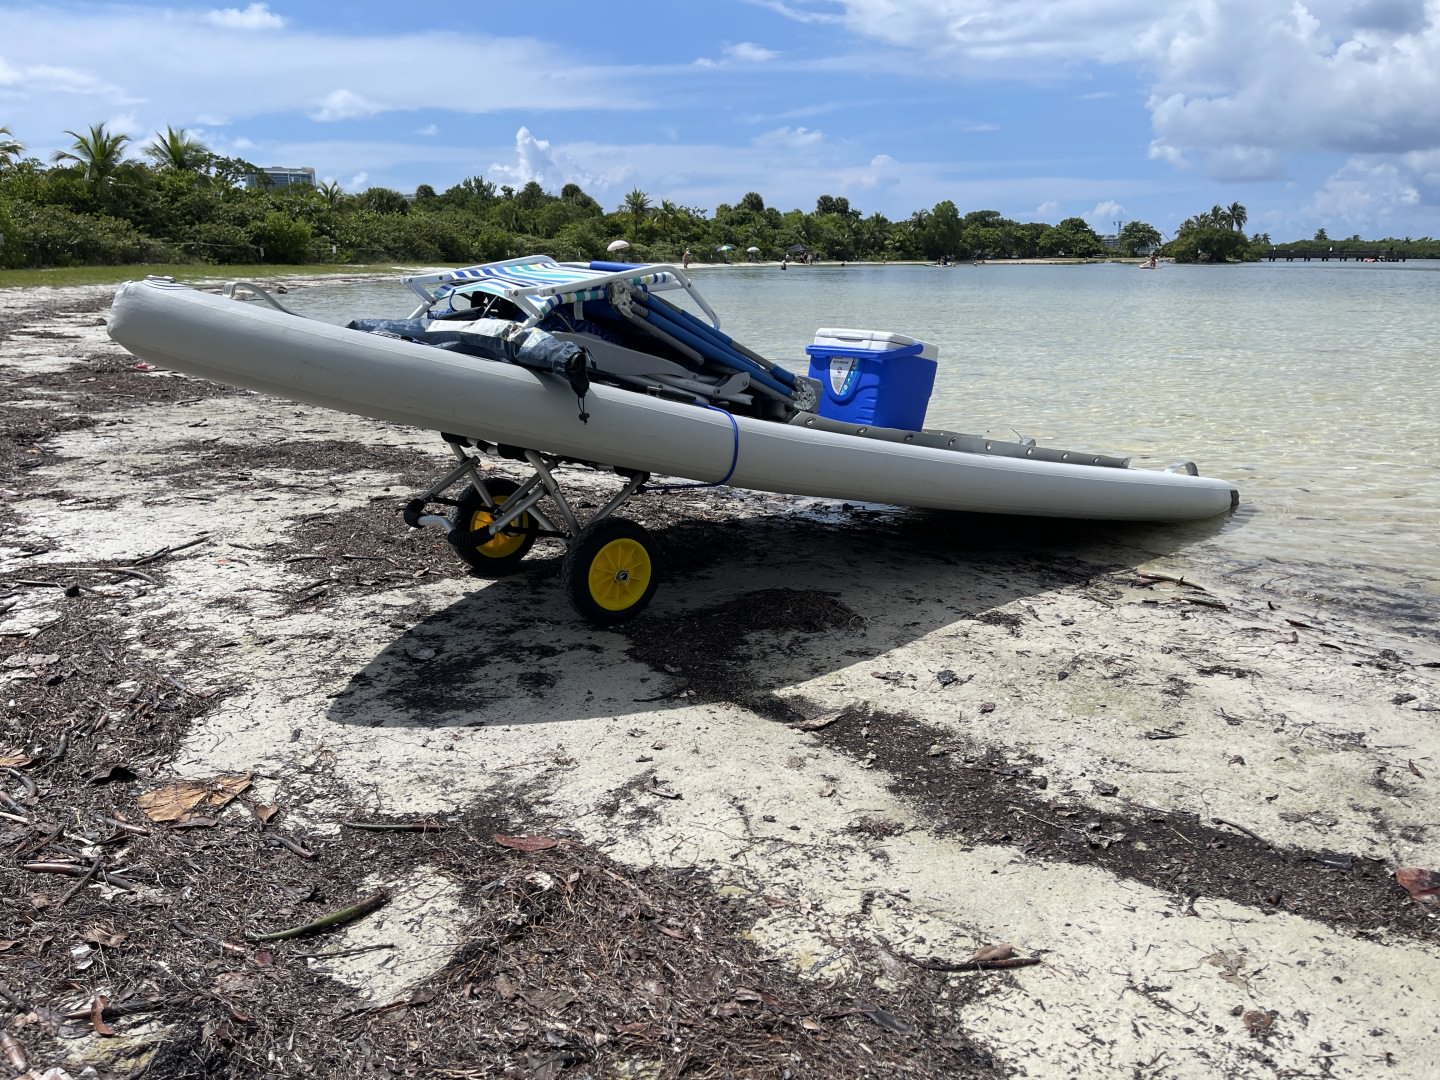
[726, 247]
[753, 250]
[617, 245]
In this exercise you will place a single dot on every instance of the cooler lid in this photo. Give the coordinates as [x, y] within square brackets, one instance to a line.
[861, 339]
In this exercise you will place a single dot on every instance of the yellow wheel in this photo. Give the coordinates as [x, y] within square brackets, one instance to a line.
[609, 571]
[500, 554]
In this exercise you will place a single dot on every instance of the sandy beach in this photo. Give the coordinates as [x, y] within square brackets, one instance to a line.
[781, 817]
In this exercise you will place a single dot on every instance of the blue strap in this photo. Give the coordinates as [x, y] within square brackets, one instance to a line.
[734, 459]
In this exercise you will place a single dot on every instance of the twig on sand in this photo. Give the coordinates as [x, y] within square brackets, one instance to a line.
[970, 965]
[85, 880]
[1202, 602]
[289, 845]
[166, 551]
[1243, 829]
[76, 870]
[396, 826]
[335, 918]
[1155, 575]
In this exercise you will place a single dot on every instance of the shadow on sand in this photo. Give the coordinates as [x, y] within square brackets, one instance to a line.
[744, 607]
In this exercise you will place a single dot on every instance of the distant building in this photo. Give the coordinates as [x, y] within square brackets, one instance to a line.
[1110, 243]
[277, 176]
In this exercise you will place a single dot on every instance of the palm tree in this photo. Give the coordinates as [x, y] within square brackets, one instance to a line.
[98, 154]
[331, 193]
[1238, 216]
[177, 151]
[1220, 217]
[666, 216]
[637, 205]
[10, 148]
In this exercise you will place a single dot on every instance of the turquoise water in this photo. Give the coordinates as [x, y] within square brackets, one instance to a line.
[1315, 388]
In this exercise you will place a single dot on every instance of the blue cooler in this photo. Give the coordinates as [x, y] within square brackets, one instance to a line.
[873, 377]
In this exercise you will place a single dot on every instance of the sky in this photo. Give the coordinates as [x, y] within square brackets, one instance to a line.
[1312, 114]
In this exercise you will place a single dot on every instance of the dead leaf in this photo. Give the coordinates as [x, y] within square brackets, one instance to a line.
[992, 952]
[1415, 769]
[175, 802]
[1422, 885]
[1258, 1023]
[104, 938]
[14, 759]
[527, 843]
[1231, 965]
[504, 986]
[264, 812]
[678, 935]
[97, 1013]
[657, 788]
[196, 823]
[815, 723]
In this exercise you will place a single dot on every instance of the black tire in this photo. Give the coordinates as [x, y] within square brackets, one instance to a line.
[609, 571]
[501, 554]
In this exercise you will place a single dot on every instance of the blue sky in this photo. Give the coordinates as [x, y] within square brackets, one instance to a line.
[1320, 113]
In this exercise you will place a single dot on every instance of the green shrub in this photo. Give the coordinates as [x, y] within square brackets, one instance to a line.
[282, 239]
[57, 236]
[11, 254]
[222, 242]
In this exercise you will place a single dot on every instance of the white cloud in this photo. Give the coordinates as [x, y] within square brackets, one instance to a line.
[744, 52]
[536, 160]
[427, 130]
[1163, 151]
[883, 172]
[796, 138]
[357, 182]
[747, 52]
[254, 17]
[796, 12]
[344, 105]
[53, 78]
[1364, 192]
[1104, 216]
[1235, 86]
[1046, 209]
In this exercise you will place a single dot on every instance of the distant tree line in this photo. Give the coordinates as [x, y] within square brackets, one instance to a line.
[180, 202]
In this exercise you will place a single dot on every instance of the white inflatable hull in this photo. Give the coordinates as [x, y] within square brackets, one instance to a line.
[254, 346]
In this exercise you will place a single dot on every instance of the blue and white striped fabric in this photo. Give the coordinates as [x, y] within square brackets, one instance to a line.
[535, 282]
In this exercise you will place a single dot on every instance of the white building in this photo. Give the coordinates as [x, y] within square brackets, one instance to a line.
[278, 176]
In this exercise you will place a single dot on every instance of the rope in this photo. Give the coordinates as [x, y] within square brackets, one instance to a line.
[734, 460]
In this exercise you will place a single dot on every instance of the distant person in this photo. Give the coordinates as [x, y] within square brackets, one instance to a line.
[784, 262]
[685, 259]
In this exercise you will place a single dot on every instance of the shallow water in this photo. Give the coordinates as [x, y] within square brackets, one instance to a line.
[1314, 387]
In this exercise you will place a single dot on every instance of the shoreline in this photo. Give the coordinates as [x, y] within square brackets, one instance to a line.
[207, 274]
[1179, 789]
